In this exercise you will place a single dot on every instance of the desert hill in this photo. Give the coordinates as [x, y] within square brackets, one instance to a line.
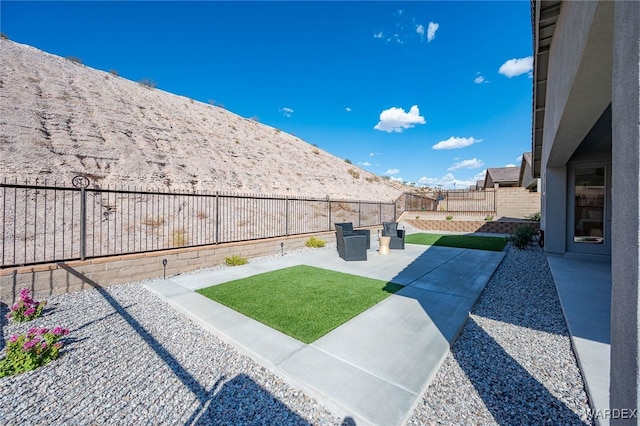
[59, 119]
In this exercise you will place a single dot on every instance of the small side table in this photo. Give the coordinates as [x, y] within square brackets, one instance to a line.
[384, 245]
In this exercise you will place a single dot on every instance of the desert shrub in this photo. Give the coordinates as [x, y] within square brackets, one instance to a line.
[236, 260]
[346, 160]
[153, 222]
[148, 83]
[314, 242]
[354, 173]
[74, 59]
[489, 218]
[522, 236]
[3, 36]
[534, 216]
[449, 217]
[179, 238]
[113, 72]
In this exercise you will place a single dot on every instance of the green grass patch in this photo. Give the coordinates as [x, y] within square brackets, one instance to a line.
[302, 301]
[460, 241]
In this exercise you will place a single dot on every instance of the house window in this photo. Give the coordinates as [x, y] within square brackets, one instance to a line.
[589, 205]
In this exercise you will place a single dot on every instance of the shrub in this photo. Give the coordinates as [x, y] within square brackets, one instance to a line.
[29, 351]
[25, 309]
[489, 218]
[314, 242]
[113, 72]
[179, 238]
[347, 161]
[154, 222]
[449, 217]
[3, 36]
[74, 59]
[236, 260]
[354, 173]
[148, 83]
[522, 236]
[534, 216]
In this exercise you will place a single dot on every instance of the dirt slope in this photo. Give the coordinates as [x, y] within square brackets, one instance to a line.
[59, 118]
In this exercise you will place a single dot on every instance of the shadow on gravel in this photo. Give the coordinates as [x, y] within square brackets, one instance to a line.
[249, 400]
[4, 310]
[243, 401]
[507, 389]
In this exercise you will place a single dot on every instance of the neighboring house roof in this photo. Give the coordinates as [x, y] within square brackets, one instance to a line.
[480, 184]
[502, 175]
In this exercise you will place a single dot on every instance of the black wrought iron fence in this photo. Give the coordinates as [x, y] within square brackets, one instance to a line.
[454, 201]
[43, 223]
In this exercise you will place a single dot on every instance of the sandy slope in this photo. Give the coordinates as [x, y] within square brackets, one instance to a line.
[59, 119]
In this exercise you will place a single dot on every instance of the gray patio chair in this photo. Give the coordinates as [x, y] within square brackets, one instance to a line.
[347, 228]
[390, 229]
[351, 246]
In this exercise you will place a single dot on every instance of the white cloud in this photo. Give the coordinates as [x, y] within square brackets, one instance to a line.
[390, 172]
[396, 179]
[510, 165]
[516, 66]
[286, 111]
[479, 79]
[378, 35]
[519, 158]
[347, 109]
[420, 31]
[456, 143]
[372, 154]
[447, 181]
[431, 31]
[481, 175]
[395, 119]
[364, 163]
[474, 163]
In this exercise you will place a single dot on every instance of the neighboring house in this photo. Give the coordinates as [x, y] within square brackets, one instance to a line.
[586, 150]
[501, 177]
[526, 179]
[479, 185]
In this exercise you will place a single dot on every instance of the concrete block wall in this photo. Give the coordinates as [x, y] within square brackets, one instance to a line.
[516, 202]
[493, 227]
[65, 277]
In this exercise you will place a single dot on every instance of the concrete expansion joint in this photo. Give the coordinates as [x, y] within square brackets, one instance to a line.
[355, 366]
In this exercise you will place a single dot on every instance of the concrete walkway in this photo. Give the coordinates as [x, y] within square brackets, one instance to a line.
[374, 368]
[584, 288]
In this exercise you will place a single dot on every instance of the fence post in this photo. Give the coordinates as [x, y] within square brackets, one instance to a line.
[359, 213]
[83, 223]
[329, 201]
[380, 213]
[286, 216]
[217, 240]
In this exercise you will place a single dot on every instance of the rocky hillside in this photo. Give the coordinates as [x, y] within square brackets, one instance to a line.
[59, 118]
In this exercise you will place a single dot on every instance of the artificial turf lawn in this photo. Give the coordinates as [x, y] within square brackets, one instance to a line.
[461, 241]
[302, 301]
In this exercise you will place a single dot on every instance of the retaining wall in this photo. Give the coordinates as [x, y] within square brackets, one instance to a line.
[493, 227]
[65, 277]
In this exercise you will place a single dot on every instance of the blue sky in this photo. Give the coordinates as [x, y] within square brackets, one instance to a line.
[426, 92]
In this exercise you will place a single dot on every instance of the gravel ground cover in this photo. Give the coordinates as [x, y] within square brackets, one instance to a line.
[131, 359]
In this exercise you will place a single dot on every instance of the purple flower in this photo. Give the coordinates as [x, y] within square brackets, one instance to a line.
[14, 338]
[25, 293]
[59, 331]
[43, 345]
[29, 311]
[15, 307]
[29, 345]
[33, 331]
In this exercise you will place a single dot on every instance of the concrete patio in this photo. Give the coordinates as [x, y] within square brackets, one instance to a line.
[373, 368]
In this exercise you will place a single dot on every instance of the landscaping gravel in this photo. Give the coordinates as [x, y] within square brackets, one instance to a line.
[131, 359]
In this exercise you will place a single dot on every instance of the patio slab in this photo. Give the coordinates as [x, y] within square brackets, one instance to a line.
[374, 368]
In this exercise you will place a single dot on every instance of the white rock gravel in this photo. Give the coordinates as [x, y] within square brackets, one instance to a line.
[131, 359]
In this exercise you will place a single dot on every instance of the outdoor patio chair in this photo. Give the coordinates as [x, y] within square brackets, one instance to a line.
[390, 229]
[351, 246]
[347, 228]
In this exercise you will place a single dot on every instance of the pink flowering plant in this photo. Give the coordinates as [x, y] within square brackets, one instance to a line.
[25, 309]
[29, 351]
